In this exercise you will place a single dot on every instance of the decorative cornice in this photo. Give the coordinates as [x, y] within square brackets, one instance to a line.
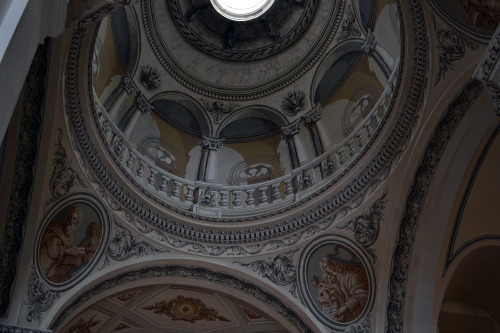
[190, 272]
[416, 199]
[17, 329]
[24, 173]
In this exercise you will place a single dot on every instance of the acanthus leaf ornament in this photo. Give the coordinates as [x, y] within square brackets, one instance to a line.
[350, 27]
[218, 109]
[150, 78]
[280, 270]
[293, 102]
[451, 47]
[366, 226]
[125, 245]
[40, 297]
[63, 177]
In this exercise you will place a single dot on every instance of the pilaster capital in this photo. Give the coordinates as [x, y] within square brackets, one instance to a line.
[313, 116]
[369, 44]
[292, 129]
[129, 85]
[142, 104]
[212, 143]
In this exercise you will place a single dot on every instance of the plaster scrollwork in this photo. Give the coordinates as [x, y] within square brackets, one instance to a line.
[451, 47]
[63, 176]
[150, 77]
[118, 147]
[24, 174]
[40, 297]
[207, 199]
[293, 102]
[280, 270]
[366, 226]
[218, 109]
[306, 180]
[350, 27]
[124, 245]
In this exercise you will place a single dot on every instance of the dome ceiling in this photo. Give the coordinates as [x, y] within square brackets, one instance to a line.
[223, 121]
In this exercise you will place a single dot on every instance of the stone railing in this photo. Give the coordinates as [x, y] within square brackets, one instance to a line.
[217, 200]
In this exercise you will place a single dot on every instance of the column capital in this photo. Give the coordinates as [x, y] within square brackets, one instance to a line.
[129, 85]
[369, 44]
[142, 104]
[292, 129]
[313, 116]
[212, 143]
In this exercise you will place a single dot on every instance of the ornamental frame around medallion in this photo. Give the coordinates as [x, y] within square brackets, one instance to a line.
[357, 273]
[86, 240]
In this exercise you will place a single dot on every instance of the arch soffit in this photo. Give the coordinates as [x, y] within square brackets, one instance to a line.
[353, 45]
[168, 271]
[255, 111]
[191, 105]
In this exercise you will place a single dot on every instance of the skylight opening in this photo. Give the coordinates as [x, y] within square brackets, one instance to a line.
[241, 10]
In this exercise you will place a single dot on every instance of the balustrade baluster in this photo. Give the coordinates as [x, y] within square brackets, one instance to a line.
[250, 200]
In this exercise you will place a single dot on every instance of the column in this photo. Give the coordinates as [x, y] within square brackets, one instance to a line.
[207, 170]
[379, 54]
[141, 106]
[129, 89]
[296, 149]
[319, 135]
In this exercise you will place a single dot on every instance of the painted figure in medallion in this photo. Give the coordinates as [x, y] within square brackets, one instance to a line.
[343, 288]
[58, 255]
[65, 249]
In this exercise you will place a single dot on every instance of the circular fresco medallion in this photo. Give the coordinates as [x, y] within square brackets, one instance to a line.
[71, 240]
[337, 281]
